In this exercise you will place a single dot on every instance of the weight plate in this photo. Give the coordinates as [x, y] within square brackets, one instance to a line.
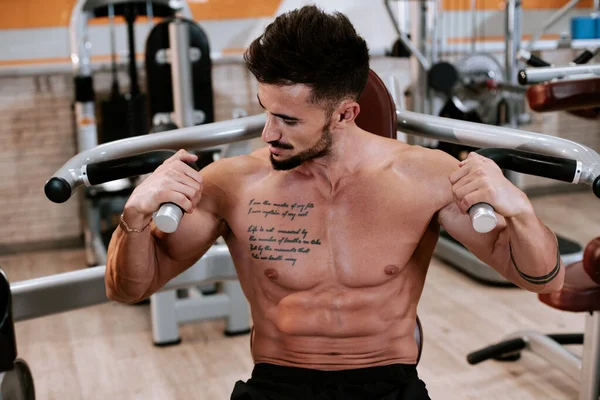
[480, 65]
[476, 71]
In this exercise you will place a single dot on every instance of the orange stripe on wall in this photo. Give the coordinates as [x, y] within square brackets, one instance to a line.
[95, 59]
[56, 13]
[233, 9]
[462, 5]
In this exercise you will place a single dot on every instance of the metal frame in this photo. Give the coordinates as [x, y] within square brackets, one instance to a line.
[585, 369]
[68, 291]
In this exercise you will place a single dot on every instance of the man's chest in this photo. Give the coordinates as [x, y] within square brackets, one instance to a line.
[362, 234]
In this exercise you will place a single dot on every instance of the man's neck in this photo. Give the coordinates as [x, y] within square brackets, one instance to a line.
[341, 161]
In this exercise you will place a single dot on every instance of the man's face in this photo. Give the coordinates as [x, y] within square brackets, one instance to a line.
[296, 130]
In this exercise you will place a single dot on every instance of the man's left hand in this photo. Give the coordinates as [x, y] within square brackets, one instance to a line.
[480, 180]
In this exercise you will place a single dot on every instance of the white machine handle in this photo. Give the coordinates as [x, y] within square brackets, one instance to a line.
[483, 217]
[168, 217]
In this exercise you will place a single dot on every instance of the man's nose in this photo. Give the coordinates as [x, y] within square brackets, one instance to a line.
[270, 133]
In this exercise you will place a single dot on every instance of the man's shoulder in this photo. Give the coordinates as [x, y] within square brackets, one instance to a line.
[427, 171]
[423, 161]
[237, 168]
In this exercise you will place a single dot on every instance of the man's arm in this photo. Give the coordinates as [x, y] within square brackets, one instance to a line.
[521, 247]
[140, 263]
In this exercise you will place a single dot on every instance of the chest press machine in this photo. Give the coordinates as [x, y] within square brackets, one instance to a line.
[83, 288]
[573, 89]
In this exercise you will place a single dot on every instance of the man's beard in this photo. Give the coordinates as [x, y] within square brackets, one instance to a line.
[321, 149]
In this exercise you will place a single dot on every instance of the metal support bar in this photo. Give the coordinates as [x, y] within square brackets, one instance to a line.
[544, 74]
[211, 307]
[514, 34]
[425, 64]
[57, 293]
[590, 369]
[181, 73]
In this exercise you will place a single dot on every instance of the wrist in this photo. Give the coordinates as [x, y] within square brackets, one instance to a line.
[135, 219]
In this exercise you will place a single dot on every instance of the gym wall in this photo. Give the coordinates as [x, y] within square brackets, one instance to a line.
[36, 91]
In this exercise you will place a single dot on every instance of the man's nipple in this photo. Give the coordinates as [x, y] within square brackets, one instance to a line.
[391, 270]
[271, 273]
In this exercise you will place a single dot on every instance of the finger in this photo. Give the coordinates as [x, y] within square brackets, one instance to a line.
[481, 195]
[475, 172]
[470, 157]
[176, 193]
[182, 155]
[182, 188]
[462, 191]
[187, 170]
[180, 174]
[460, 173]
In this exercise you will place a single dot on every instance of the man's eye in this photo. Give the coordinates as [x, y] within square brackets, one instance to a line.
[289, 123]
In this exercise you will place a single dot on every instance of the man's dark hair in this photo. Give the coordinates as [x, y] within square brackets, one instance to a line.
[309, 46]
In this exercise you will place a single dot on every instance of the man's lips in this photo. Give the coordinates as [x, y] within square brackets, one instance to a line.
[276, 150]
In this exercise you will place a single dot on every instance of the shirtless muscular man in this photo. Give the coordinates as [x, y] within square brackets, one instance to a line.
[331, 228]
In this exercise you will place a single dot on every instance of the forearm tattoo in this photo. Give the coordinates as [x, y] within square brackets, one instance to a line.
[537, 280]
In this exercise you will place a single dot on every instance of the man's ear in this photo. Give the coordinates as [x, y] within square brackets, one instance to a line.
[346, 113]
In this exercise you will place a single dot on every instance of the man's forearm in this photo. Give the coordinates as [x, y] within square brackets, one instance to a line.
[532, 254]
[131, 263]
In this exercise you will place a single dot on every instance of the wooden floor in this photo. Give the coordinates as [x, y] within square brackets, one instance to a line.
[106, 352]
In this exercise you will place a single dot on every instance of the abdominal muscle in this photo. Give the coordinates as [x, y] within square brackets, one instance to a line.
[335, 329]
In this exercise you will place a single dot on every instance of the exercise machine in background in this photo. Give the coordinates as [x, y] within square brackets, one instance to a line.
[474, 88]
[574, 89]
[133, 113]
[179, 94]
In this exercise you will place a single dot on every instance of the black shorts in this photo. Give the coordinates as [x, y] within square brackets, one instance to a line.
[274, 382]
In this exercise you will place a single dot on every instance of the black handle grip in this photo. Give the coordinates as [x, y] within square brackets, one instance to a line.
[8, 343]
[126, 167]
[557, 168]
[496, 350]
[57, 190]
[535, 61]
[522, 77]
[584, 57]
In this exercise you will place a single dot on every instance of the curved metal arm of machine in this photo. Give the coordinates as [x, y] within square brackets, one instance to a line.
[543, 74]
[169, 215]
[126, 167]
[551, 167]
[72, 174]
[488, 136]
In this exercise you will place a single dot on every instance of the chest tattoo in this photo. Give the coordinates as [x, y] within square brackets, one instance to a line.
[269, 242]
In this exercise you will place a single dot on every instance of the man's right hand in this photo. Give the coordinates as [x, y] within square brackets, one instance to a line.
[173, 182]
